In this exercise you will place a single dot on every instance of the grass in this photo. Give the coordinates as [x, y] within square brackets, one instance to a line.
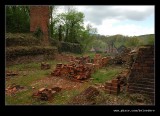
[64, 96]
[121, 99]
[105, 74]
[34, 73]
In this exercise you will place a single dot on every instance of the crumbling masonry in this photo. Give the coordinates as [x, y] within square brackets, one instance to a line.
[142, 79]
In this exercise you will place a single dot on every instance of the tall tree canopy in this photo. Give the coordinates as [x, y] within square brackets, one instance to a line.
[17, 18]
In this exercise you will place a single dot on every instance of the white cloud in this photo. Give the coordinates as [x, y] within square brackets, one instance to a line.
[105, 18]
[107, 28]
[96, 14]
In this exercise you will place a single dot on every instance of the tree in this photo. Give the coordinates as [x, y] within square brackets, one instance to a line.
[151, 40]
[72, 22]
[17, 18]
[88, 37]
[133, 42]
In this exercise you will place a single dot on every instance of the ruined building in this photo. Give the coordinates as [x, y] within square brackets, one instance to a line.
[39, 17]
[142, 79]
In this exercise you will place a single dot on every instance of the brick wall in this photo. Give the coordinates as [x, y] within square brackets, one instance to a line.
[39, 16]
[141, 79]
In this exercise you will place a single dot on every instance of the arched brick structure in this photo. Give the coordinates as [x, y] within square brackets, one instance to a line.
[39, 17]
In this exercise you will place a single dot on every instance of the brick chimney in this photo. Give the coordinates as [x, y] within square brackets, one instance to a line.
[39, 17]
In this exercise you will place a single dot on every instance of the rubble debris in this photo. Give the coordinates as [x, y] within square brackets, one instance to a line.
[86, 97]
[45, 66]
[121, 49]
[83, 60]
[80, 68]
[11, 73]
[46, 94]
[118, 60]
[115, 86]
[12, 89]
[124, 57]
[33, 87]
[90, 92]
[105, 61]
[72, 71]
[97, 59]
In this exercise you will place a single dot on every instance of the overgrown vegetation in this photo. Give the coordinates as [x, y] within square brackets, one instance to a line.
[21, 39]
[68, 33]
[30, 75]
[69, 27]
[105, 74]
[38, 33]
[13, 52]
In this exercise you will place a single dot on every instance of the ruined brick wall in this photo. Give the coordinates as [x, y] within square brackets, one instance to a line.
[39, 17]
[141, 79]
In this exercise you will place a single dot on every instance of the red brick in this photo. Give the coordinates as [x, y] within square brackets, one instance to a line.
[115, 81]
[114, 84]
[114, 88]
[39, 16]
[107, 87]
[108, 91]
[108, 83]
[114, 92]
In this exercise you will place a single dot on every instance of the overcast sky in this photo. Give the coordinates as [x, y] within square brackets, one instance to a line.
[111, 20]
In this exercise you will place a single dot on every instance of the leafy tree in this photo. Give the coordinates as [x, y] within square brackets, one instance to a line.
[133, 42]
[72, 22]
[151, 40]
[17, 18]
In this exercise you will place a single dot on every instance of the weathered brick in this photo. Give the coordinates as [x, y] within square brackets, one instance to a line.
[39, 17]
[114, 92]
[142, 78]
[114, 84]
[108, 87]
[108, 83]
[114, 81]
[108, 91]
[114, 88]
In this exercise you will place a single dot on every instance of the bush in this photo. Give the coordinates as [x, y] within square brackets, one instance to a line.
[38, 33]
[67, 47]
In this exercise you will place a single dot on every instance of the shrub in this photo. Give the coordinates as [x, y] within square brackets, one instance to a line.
[67, 47]
[38, 33]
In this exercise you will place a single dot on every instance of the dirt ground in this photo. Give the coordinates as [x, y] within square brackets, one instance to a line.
[62, 82]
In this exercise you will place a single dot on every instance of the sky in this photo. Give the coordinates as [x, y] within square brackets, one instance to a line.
[128, 20]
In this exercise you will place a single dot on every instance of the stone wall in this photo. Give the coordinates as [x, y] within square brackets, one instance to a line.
[142, 79]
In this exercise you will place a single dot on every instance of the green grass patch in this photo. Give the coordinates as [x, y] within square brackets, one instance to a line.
[64, 97]
[103, 75]
[33, 73]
